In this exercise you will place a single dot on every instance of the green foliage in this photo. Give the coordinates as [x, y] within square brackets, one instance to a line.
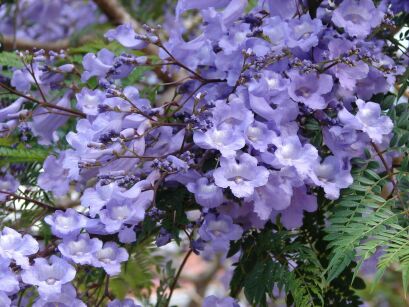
[272, 258]
[21, 154]
[10, 59]
[137, 276]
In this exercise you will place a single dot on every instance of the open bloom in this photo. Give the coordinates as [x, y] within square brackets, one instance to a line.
[310, 88]
[81, 249]
[48, 275]
[241, 175]
[16, 247]
[109, 257]
[357, 17]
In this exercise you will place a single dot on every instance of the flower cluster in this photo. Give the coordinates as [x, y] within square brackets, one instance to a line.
[235, 135]
[47, 21]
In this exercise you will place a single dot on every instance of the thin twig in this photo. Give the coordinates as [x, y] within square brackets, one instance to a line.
[34, 201]
[42, 103]
[175, 280]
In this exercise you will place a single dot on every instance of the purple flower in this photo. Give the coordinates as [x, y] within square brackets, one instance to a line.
[348, 75]
[8, 184]
[89, 100]
[4, 299]
[126, 36]
[11, 109]
[119, 212]
[277, 31]
[214, 301]
[310, 88]
[275, 195]
[110, 258]
[225, 139]
[219, 230]
[259, 136]
[303, 32]
[240, 174]
[97, 65]
[357, 17]
[45, 124]
[9, 281]
[333, 174]
[127, 235]
[184, 5]
[67, 298]
[301, 201]
[290, 152]
[80, 249]
[207, 194]
[16, 247]
[283, 8]
[54, 178]
[49, 275]
[369, 119]
[66, 223]
[124, 303]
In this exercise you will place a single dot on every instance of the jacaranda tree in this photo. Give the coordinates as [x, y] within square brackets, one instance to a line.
[272, 135]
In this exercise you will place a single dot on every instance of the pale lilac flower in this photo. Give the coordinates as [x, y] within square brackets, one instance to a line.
[275, 195]
[290, 152]
[303, 32]
[348, 75]
[11, 109]
[89, 100]
[127, 235]
[66, 223]
[81, 249]
[126, 36]
[110, 258]
[120, 212]
[310, 88]
[16, 247]
[97, 65]
[124, 303]
[357, 17]
[214, 301]
[259, 136]
[240, 174]
[301, 201]
[219, 230]
[225, 139]
[54, 178]
[49, 275]
[207, 194]
[9, 281]
[277, 31]
[8, 184]
[4, 299]
[369, 119]
[45, 124]
[67, 298]
[333, 174]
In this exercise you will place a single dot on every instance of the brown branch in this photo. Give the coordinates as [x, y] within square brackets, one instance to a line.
[31, 200]
[28, 44]
[175, 280]
[42, 103]
[117, 14]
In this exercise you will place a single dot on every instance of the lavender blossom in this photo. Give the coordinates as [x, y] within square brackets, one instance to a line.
[17, 247]
[81, 249]
[110, 258]
[240, 174]
[310, 88]
[48, 275]
[358, 18]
